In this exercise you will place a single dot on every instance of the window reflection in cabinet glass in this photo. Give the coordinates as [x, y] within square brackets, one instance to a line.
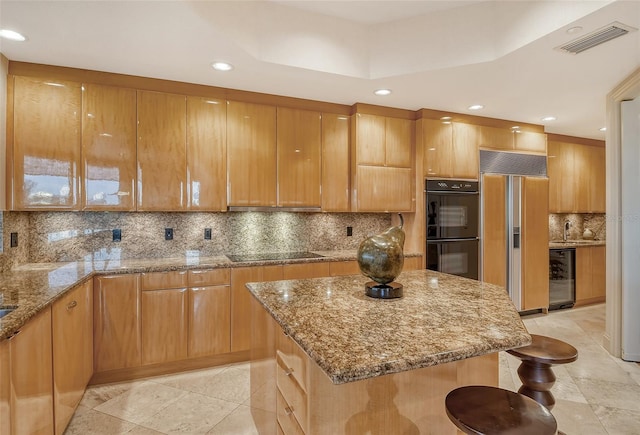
[48, 181]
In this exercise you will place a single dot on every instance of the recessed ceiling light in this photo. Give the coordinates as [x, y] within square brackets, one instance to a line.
[476, 107]
[222, 66]
[10, 34]
[549, 118]
[575, 29]
[603, 129]
[382, 92]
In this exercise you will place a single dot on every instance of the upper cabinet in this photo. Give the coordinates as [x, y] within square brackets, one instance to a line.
[335, 162]
[251, 154]
[108, 148]
[383, 168]
[530, 141]
[299, 152]
[162, 159]
[450, 149]
[206, 154]
[46, 144]
[576, 177]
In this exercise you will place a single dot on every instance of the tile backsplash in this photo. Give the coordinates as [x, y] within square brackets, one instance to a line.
[67, 236]
[596, 222]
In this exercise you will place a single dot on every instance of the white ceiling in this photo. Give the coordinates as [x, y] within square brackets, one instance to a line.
[443, 55]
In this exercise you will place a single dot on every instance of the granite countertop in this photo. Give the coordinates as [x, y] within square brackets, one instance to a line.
[441, 318]
[557, 244]
[34, 286]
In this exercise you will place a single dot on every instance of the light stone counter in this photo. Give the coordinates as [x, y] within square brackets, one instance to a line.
[441, 318]
[559, 244]
[34, 286]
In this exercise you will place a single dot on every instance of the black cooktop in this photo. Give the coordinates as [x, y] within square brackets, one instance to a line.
[240, 258]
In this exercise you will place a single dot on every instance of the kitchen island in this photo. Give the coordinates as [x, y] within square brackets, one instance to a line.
[335, 361]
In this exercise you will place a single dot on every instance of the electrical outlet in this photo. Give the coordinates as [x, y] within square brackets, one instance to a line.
[117, 234]
[349, 231]
[207, 233]
[168, 233]
[14, 240]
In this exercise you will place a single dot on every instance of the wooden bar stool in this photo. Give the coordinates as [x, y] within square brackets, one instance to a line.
[483, 410]
[535, 370]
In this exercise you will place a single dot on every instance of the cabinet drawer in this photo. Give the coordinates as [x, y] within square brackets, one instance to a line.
[293, 359]
[292, 393]
[163, 280]
[202, 278]
[286, 419]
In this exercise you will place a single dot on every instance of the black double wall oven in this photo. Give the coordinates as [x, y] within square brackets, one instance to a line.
[453, 221]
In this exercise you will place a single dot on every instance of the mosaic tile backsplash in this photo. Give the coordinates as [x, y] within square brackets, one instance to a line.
[66, 236]
[579, 222]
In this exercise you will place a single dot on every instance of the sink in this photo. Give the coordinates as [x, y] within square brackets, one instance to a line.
[4, 310]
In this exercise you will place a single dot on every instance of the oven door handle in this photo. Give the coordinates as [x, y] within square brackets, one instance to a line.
[468, 239]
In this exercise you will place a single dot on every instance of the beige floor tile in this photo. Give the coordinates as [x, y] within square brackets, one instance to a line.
[98, 394]
[140, 430]
[264, 397]
[598, 365]
[609, 394]
[140, 402]
[192, 414]
[231, 385]
[242, 422]
[88, 421]
[619, 421]
[185, 380]
[577, 418]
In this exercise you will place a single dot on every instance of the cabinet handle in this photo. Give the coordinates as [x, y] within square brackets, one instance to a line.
[71, 305]
[288, 371]
[14, 334]
[288, 410]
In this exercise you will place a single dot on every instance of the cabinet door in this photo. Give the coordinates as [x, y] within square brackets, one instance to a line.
[72, 321]
[46, 144]
[206, 154]
[251, 154]
[209, 321]
[305, 270]
[342, 268]
[584, 276]
[164, 325]
[31, 377]
[384, 189]
[438, 146]
[495, 138]
[560, 169]
[531, 142]
[162, 158]
[581, 177]
[298, 146]
[335, 162]
[465, 154]
[116, 320]
[241, 301]
[5, 389]
[399, 139]
[597, 180]
[108, 148]
[535, 243]
[599, 271]
[494, 245]
[370, 135]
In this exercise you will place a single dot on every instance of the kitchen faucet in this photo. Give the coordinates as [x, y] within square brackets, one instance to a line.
[567, 225]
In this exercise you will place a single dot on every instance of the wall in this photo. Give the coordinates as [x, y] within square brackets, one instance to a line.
[579, 222]
[66, 236]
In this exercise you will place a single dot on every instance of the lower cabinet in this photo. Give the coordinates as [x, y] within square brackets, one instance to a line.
[31, 399]
[72, 321]
[5, 389]
[590, 274]
[164, 325]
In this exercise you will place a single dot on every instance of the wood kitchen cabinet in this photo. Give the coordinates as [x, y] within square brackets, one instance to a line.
[30, 356]
[209, 307]
[299, 143]
[306, 270]
[241, 301]
[163, 322]
[590, 274]
[44, 143]
[535, 243]
[116, 320]
[5, 389]
[206, 154]
[450, 149]
[494, 235]
[499, 139]
[161, 151]
[251, 154]
[384, 189]
[383, 141]
[560, 169]
[597, 180]
[72, 321]
[530, 142]
[335, 163]
[108, 148]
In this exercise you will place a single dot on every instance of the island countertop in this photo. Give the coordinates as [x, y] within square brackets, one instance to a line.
[441, 318]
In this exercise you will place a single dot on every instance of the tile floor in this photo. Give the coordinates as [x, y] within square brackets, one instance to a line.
[597, 394]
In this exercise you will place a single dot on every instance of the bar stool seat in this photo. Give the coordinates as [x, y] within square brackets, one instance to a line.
[535, 370]
[484, 410]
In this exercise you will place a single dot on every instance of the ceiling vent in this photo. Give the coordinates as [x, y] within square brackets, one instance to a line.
[600, 36]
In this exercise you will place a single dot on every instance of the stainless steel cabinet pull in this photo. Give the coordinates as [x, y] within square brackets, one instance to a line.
[71, 305]
[288, 410]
